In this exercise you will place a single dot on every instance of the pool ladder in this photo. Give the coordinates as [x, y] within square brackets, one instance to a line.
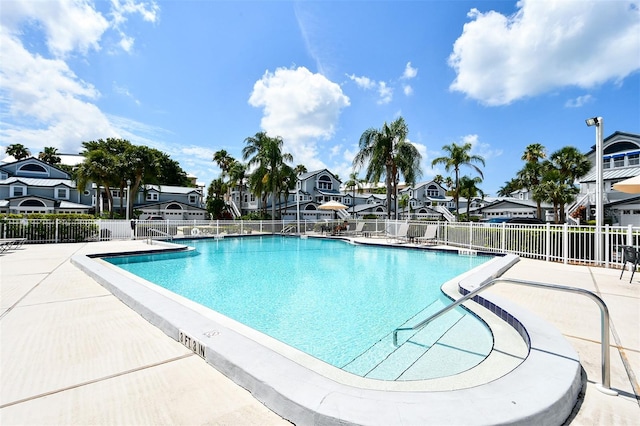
[605, 387]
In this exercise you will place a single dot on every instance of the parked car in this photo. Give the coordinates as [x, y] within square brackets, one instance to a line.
[527, 220]
[155, 218]
[497, 220]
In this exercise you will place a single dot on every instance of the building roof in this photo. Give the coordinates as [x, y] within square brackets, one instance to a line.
[173, 189]
[38, 181]
[611, 174]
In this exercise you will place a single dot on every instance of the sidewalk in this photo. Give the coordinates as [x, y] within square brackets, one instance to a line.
[71, 353]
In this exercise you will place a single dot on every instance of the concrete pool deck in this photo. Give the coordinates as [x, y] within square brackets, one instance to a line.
[71, 353]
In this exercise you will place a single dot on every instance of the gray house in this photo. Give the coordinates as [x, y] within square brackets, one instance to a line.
[621, 160]
[33, 186]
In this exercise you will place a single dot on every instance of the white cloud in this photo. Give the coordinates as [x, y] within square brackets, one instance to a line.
[68, 26]
[579, 101]
[544, 46]
[43, 102]
[409, 71]
[363, 82]
[385, 92]
[408, 90]
[301, 107]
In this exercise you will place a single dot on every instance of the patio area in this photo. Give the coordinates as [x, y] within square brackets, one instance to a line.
[72, 353]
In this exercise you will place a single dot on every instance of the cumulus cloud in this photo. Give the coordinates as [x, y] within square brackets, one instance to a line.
[409, 72]
[43, 101]
[544, 46]
[301, 107]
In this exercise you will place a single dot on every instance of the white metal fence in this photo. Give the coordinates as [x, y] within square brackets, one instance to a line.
[557, 243]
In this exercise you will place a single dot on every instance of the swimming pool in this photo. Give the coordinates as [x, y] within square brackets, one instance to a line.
[335, 301]
[531, 376]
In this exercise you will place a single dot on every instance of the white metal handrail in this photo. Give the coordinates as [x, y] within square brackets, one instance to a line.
[605, 387]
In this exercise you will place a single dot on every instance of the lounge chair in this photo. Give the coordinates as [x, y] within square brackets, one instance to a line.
[398, 234]
[358, 231]
[629, 255]
[429, 236]
[11, 243]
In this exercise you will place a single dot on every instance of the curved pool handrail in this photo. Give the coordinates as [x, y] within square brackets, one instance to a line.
[605, 387]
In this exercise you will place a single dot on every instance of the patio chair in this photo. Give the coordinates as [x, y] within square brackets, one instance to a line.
[429, 236]
[358, 231]
[398, 234]
[629, 255]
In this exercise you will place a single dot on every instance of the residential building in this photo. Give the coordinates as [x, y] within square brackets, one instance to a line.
[33, 186]
[621, 160]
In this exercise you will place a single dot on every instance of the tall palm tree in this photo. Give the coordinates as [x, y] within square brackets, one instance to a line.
[531, 174]
[388, 154]
[468, 188]
[99, 166]
[534, 152]
[224, 161]
[50, 155]
[266, 153]
[18, 151]
[237, 175]
[530, 177]
[354, 184]
[459, 155]
[509, 187]
[571, 165]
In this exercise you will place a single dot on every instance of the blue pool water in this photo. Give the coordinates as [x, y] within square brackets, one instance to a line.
[330, 299]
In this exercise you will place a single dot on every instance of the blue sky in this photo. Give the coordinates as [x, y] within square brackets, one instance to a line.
[193, 77]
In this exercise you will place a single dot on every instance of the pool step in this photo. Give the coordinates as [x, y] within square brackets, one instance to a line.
[447, 346]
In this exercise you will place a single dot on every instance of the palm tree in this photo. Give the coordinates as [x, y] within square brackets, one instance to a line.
[237, 175]
[50, 155]
[530, 177]
[531, 174]
[355, 184]
[459, 155]
[388, 154]
[534, 152]
[98, 166]
[509, 187]
[18, 151]
[266, 153]
[468, 189]
[224, 161]
[571, 165]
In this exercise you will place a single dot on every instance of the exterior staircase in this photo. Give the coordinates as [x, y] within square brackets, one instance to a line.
[450, 217]
[343, 214]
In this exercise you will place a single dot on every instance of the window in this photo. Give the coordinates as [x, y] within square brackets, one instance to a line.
[33, 168]
[634, 159]
[152, 196]
[432, 191]
[18, 190]
[62, 193]
[618, 162]
[324, 182]
[606, 163]
[115, 193]
[193, 199]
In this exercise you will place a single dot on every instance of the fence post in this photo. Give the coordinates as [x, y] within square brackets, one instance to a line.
[630, 235]
[470, 234]
[57, 230]
[565, 243]
[607, 254]
[547, 245]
